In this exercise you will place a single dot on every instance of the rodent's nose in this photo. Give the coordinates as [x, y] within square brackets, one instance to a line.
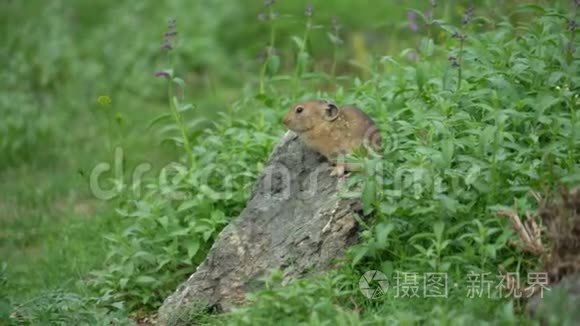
[285, 121]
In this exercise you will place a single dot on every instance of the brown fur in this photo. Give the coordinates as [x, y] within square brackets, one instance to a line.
[333, 135]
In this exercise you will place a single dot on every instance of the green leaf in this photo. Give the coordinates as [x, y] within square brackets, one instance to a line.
[123, 283]
[447, 149]
[390, 59]
[179, 82]
[368, 196]
[145, 256]
[420, 14]
[176, 103]
[143, 279]
[449, 203]
[529, 8]
[164, 221]
[179, 233]
[420, 76]
[119, 305]
[449, 28]
[192, 249]
[472, 175]
[159, 118]
[438, 228]
[273, 64]
[545, 102]
[334, 39]
[265, 98]
[360, 253]
[299, 42]
[185, 107]
[302, 61]
[427, 47]
[444, 267]
[383, 231]
[187, 205]
[388, 209]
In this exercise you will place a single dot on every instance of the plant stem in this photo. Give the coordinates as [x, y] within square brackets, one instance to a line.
[334, 60]
[572, 139]
[180, 124]
[269, 52]
[460, 61]
[301, 52]
[496, 146]
[573, 117]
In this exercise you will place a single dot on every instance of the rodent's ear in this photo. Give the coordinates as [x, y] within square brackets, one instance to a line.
[331, 112]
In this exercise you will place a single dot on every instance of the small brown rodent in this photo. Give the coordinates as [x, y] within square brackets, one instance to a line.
[333, 131]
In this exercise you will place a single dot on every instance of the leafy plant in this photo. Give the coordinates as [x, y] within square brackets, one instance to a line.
[5, 302]
[170, 229]
[312, 302]
[63, 308]
[452, 154]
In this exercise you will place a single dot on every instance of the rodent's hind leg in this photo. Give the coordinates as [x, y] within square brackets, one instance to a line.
[338, 170]
[340, 167]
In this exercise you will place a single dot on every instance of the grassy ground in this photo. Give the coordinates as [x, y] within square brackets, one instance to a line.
[70, 257]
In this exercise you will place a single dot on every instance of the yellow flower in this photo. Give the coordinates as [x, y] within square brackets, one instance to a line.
[104, 100]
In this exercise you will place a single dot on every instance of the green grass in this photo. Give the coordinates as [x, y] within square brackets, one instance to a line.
[460, 142]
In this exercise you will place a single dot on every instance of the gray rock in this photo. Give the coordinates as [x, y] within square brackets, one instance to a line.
[294, 221]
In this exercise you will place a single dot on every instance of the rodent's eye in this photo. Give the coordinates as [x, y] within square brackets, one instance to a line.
[299, 109]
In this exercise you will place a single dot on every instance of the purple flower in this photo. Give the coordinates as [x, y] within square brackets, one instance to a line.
[335, 24]
[309, 11]
[267, 52]
[458, 35]
[570, 48]
[412, 18]
[468, 15]
[453, 61]
[571, 26]
[169, 35]
[162, 73]
[172, 23]
[272, 15]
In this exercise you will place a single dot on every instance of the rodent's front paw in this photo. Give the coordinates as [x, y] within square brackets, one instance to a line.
[293, 136]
